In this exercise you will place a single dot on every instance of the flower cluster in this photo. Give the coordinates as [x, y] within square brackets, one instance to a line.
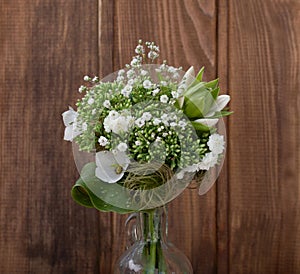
[148, 114]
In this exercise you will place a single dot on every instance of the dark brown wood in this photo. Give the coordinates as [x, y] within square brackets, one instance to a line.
[264, 151]
[186, 33]
[248, 223]
[46, 49]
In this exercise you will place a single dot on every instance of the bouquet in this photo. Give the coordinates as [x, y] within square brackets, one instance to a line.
[141, 135]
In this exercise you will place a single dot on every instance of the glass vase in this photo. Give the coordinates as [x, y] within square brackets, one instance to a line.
[150, 252]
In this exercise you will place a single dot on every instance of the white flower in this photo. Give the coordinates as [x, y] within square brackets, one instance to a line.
[140, 122]
[103, 141]
[147, 84]
[139, 49]
[220, 103]
[173, 124]
[116, 123]
[131, 82]
[95, 79]
[120, 78]
[138, 143]
[155, 91]
[121, 72]
[156, 121]
[165, 134]
[175, 94]
[126, 90]
[70, 121]
[182, 124]
[111, 167]
[208, 161]
[216, 143]
[133, 266]
[130, 73]
[122, 147]
[106, 104]
[82, 89]
[86, 78]
[147, 116]
[91, 101]
[144, 72]
[164, 99]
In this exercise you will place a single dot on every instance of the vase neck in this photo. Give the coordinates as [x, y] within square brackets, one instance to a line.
[153, 224]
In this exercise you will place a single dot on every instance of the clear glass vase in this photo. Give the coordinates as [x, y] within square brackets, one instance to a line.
[150, 252]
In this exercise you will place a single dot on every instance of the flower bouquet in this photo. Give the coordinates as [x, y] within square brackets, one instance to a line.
[140, 137]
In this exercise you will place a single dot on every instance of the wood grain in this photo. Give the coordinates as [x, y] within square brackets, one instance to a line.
[264, 137]
[248, 223]
[46, 48]
[186, 33]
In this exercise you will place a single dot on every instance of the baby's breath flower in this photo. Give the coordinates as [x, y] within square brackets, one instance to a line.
[182, 124]
[95, 79]
[156, 121]
[106, 104]
[164, 99]
[144, 72]
[147, 116]
[82, 89]
[126, 90]
[130, 74]
[103, 141]
[173, 124]
[91, 101]
[147, 84]
[140, 122]
[138, 143]
[87, 78]
[122, 147]
[139, 49]
[155, 91]
[175, 94]
[121, 72]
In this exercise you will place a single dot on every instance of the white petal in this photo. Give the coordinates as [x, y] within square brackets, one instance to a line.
[189, 76]
[68, 133]
[122, 159]
[107, 164]
[207, 122]
[69, 116]
[222, 101]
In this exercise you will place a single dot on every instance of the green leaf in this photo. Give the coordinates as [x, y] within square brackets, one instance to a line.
[215, 93]
[85, 191]
[222, 113]
[200, 127]
[212, 84]
[200, 74]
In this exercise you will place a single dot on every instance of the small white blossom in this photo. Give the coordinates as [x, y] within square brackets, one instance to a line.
[164, 99]
[126, 90]
[121, 72]
[131, 82]
[82, 89]
[165, 134]
[86, 78]
[139, 49]
[147, 116]
[208, 161]
[173, 124]
[147, 84]
[138, 143]
[175, 94]
[70, 121]
[156, 121]
[106, 104]
[120, 78]
[130, 74]
[91, 101]
[95, 79]
[182, 124]
[140, 122]
[216, 143]
[144, 72]
[103, 141]
[122, 147]
[155, 91]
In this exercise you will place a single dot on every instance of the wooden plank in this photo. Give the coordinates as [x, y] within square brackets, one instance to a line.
[222, 185]
[186, 34]
[264, 137]
[46, 47]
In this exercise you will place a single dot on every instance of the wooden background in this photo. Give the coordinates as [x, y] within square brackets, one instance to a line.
[248, 223]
